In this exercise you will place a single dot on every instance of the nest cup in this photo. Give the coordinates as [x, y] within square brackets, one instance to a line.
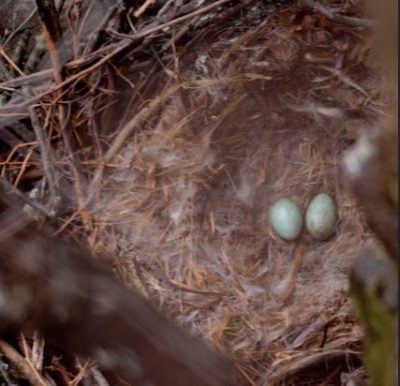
[256, 117]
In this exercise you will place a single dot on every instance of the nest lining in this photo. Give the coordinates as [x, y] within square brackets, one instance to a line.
[185, 208]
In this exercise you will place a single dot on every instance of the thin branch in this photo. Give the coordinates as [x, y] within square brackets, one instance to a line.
[45, 153]
[27, 371]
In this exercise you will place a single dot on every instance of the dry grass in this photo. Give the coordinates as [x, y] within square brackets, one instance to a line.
[248, 110]
[262, 113]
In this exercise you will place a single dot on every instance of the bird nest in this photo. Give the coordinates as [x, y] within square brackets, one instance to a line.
[240, 118]
[198, 136]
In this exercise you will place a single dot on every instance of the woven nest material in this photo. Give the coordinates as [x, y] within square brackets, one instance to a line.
[262, 112]
[198, 135]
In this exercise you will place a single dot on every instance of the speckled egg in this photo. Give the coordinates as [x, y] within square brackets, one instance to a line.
[286, 219]
[321, 217]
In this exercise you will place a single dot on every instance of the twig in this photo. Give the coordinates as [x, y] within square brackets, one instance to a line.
[64, 121]
[91, 41]
[309, 361]
[27, 80]
[23, 167]
[46, 75]
[45, 153]
[16, 149]
[143, 7]
[73, 16]
[38, 350]
[28, 372]
[75, 167]
[49, 15]
[10, 61]
[19, 110]
[9, 37]
[297, 263]
[161, 27]
[99, 377]
[81, 373]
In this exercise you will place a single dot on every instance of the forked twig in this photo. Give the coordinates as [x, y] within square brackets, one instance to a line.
[28, 371]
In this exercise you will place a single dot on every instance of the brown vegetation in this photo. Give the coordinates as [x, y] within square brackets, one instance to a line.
[163, 147]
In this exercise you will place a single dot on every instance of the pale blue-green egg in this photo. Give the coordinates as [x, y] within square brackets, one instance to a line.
[286, 219]
[321, 217]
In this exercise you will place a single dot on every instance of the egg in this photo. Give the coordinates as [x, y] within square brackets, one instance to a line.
[321, 217]
[286, 219]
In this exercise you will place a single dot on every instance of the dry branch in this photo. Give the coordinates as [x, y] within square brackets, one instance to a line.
[78, 305]
[180, 175]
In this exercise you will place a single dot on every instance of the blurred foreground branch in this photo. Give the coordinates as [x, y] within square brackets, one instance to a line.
[55, 287]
